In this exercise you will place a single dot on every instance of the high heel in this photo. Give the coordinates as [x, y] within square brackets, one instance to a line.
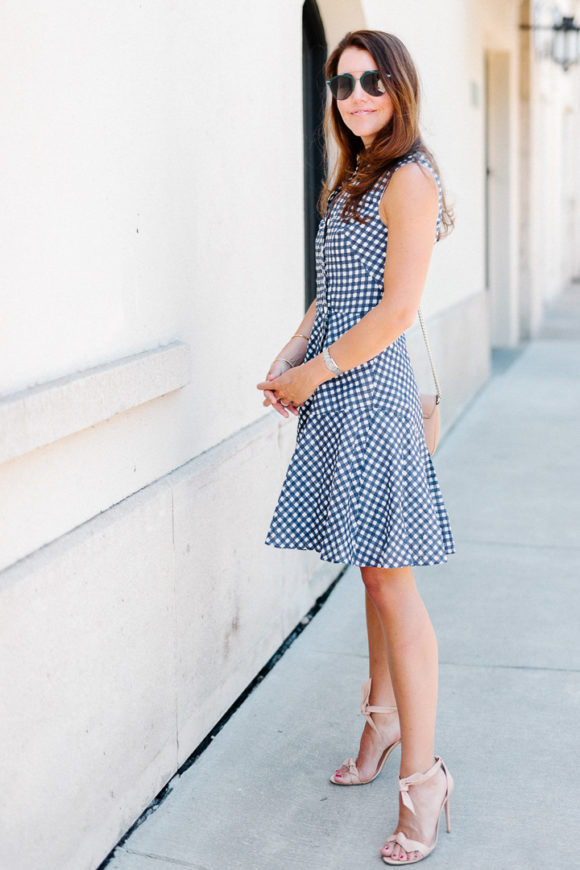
[352, 777]
[400, 838]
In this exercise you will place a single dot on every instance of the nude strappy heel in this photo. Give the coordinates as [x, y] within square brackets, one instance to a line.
[400, 838]
[352, 777]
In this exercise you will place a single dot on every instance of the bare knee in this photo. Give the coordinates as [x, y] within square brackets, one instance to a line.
[386, 585]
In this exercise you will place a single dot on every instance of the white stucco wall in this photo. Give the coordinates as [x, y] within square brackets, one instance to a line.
[125, 641]
[549, 175]
[152, 226]
[153, 202]
[152, 196]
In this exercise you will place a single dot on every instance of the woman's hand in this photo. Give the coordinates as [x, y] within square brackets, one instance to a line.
[289, 390]
[291, 354]
[277, 368]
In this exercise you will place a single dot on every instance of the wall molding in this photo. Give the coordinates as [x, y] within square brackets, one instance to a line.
[45, 413]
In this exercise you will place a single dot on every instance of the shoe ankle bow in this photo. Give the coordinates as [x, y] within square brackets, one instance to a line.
[415, 779]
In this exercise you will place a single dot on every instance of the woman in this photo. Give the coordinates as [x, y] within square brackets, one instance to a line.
[361, 488]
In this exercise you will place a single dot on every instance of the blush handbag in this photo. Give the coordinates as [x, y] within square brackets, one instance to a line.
[430, 402]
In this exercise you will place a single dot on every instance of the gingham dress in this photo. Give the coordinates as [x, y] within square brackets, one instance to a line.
[361, 488]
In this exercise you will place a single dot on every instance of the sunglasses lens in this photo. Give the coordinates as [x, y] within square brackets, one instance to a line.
[372, 84]
[341, 87]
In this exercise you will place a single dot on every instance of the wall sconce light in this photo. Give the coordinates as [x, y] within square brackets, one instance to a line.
[565, 46]
[566, 42]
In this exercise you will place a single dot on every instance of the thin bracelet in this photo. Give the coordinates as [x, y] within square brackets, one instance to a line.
[281, 359]
[300, 335]
[330, 363]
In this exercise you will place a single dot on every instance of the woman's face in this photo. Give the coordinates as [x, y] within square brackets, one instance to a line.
[363, 114]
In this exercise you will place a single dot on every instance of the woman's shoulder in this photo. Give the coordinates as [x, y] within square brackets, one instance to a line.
[411, 181]
[408, 172]
[409, 160]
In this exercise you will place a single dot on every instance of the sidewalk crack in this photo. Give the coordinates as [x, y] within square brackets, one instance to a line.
[529, 546]
[512, 667]
[355, 655]
[167, 859]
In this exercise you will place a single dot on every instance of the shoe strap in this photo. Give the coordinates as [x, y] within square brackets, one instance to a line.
[407, 844]
[366, 709]
[415, 779]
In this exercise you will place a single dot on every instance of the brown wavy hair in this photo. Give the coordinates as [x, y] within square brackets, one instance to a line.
[399, 137]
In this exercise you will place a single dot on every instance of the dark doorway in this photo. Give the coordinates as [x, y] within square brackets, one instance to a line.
[314, 99]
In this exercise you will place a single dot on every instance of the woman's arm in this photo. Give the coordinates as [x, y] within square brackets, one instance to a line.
[409, 207]
[294, 353]
[295, 350]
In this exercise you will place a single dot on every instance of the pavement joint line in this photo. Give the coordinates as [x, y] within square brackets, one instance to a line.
[511, 667]
[167, 859]
[459, 664]
[517, 544]
[352, 655]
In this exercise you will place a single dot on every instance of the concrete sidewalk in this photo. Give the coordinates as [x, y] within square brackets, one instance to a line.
[506, 609]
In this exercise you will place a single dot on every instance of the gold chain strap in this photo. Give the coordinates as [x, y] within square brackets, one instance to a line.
[428, 346]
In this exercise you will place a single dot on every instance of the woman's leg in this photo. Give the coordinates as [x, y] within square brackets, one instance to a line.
[411, 648]
[413, 667]
[382, 694]
[382, 691]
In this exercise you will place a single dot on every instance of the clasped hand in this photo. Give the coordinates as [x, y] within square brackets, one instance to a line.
[286, 389]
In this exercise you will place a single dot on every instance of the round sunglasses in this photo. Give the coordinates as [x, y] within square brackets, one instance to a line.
[342, 86]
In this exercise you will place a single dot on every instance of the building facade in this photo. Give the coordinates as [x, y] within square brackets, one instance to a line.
[157, 206]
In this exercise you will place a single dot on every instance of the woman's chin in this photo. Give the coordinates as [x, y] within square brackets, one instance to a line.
[364, 131]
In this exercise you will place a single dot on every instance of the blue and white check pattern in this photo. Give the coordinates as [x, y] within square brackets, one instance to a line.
[361, 488]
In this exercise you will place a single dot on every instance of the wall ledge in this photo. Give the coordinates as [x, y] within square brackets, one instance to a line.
[45, 413]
